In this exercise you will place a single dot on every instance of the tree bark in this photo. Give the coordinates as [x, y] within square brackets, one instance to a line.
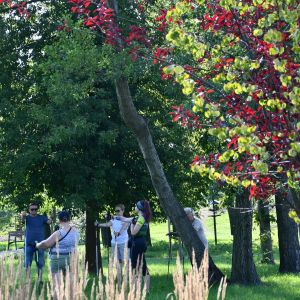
[265, 232]
[92, 214]
[243, 268]
[163, 190]
[289, 249]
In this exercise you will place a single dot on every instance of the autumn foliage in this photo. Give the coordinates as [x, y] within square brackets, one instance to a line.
[241, 77]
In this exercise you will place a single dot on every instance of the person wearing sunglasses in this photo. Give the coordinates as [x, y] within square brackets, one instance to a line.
[119, 236]
[34, 231]
[139, 228]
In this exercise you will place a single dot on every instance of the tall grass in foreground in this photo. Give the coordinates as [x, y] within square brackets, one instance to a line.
[195, 284]
[76, 284]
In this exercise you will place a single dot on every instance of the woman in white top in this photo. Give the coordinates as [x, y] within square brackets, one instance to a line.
[119, 235]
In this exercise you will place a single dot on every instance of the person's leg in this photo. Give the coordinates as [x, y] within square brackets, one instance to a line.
[121, 249]
[113, 250]
[40, 264]
[69, 273]
[134, 253]
[55, 284]
[145, 269]
[57, 267]
[28, 257]
[146, 274]
[138, 257]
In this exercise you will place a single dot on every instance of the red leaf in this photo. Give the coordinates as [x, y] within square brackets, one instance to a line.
[252, 191]
[176, 118]
[89, 23]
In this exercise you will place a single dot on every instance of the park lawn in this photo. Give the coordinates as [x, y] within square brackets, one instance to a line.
[274, 285]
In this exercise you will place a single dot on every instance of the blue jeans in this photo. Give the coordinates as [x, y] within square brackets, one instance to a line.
[40, 258]
[120, 251]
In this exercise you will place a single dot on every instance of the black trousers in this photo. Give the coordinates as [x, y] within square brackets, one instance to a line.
[137, 254]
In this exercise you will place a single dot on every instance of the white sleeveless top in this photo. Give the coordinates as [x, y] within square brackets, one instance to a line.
[116, 226]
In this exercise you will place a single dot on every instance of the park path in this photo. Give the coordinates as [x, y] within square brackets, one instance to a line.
[11, 252]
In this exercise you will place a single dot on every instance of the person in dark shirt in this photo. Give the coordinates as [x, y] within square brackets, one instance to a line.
[34, 232]
[139, 227]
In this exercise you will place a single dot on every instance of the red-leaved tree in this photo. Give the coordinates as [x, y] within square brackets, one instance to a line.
[242, 78]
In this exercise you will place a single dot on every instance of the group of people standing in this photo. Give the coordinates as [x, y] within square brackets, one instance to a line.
[63, 242]
[137, 243]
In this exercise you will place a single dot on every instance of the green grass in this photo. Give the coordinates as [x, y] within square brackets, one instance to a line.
[274, 285]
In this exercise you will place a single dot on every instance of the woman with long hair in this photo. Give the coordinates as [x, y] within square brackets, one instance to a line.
[139, 228]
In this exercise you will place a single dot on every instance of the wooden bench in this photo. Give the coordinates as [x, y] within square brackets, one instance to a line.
[16, 235]
[12, 238]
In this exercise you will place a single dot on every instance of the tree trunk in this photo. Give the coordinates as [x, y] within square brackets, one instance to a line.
[265, 232]
[163, 190]
[243, 268]
[289, 249]
[92, 214]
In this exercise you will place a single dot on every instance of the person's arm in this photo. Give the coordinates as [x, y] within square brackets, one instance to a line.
[135, 228]
[23, 215]
[49, 242]
[124, 219]
[108, 224]
[123, 228]
[49, 221]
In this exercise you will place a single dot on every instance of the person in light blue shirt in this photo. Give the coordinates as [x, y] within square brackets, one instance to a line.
[63, 245]
[34, 232]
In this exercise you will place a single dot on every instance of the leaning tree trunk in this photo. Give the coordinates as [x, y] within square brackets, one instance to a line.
[163, 190]
[243, 268]
[265, 232]
[92, 214]
[289, 249]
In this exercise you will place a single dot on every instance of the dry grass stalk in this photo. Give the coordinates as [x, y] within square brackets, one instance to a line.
[74, 285]
[195, 284]
[15, 284]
